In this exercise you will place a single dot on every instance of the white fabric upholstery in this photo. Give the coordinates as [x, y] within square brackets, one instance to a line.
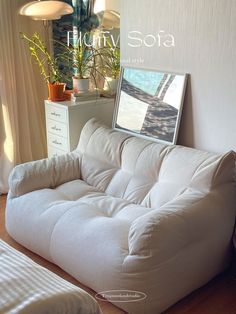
[44, 174]
[27, 288]
[130, 214]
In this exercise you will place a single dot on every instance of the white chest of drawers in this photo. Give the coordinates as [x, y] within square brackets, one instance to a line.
[65, 120]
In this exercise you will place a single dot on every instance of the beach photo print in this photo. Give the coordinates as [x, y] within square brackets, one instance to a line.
[149, 104]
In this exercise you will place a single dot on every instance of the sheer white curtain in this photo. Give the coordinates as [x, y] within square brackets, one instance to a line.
[22, 91]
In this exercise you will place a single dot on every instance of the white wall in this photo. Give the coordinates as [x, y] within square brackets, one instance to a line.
[205, 47]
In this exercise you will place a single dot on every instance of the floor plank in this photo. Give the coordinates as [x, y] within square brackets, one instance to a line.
[217, 297]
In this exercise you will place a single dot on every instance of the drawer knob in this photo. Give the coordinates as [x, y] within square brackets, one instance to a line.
[55, 128]
[55, 114]
[56, 142]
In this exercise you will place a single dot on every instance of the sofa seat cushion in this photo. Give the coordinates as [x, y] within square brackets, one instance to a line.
[41, 212]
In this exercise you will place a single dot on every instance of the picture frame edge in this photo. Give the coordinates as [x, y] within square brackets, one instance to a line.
[152, 139]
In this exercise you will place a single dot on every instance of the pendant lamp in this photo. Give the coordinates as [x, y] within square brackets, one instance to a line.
[46, 9]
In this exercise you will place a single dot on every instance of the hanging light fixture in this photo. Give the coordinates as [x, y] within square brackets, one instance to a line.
[46, 9]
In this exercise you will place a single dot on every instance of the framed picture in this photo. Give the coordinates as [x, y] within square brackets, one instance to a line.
[149, 104]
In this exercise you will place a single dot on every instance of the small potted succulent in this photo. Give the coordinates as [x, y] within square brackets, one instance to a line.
[48, 66]
[111, 67]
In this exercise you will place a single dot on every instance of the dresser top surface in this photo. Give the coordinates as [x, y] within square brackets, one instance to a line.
[75, 104]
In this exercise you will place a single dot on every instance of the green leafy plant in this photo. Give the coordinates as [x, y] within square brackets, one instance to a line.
[111, 60]
[48, 65]
[82, 58]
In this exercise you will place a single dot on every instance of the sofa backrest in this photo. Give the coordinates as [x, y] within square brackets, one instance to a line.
[145, 172]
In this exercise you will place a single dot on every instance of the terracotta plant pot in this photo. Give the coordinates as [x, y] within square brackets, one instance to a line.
[80, 85]
[56, 91]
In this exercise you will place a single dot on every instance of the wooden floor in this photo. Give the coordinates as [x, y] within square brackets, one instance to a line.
[217, 297]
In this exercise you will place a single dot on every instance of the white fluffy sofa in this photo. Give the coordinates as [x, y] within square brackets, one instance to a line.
[121, 212]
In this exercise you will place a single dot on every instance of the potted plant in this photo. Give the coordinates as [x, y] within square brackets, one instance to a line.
[48, 66]
[82, 58]
[111, 67]
[82, 63]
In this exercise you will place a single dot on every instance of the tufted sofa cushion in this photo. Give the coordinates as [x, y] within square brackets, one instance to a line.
[147, 173]
[121, 212]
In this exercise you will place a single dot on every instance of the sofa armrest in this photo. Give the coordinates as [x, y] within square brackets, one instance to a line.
[189, 218]
[45, 173]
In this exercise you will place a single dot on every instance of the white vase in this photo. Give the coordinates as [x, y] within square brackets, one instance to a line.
[80, 85]
[111, 84]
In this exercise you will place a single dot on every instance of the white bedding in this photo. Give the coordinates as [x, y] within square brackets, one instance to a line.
[28, 288]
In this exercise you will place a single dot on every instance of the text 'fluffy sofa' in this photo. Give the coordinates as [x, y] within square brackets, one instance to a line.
[123, 213]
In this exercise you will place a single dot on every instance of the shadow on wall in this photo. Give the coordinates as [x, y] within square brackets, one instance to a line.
[186, 130]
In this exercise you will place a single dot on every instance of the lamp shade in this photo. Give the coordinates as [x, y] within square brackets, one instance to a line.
[46, 10]
[106, 5]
